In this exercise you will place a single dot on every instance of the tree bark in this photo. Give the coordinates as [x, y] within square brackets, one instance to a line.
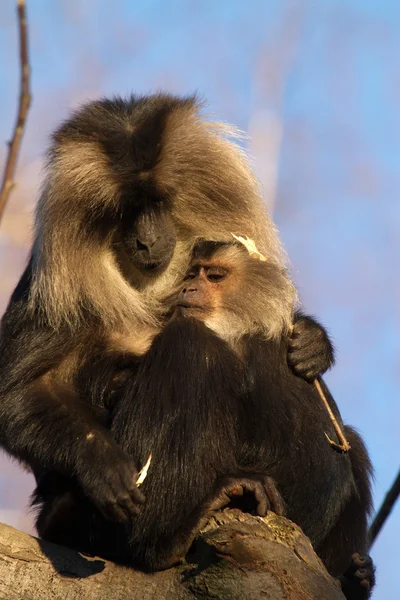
[236, 557]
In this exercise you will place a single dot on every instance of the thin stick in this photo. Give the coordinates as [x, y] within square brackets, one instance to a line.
[385, 510]
[24, 103]
[344, 445]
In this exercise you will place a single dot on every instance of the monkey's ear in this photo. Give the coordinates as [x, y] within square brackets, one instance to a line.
[250, 247]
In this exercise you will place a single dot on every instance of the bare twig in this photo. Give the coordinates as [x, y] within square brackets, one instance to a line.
[385, 510]
[344, 445]
[24, 103]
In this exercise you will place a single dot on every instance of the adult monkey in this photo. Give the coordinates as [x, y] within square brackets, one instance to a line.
[131, 185]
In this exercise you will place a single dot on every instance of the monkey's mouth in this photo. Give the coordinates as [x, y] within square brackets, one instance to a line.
[149, 266]
[152, 266]
[187, 306]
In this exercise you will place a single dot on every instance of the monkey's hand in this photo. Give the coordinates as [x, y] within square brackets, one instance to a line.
[358, 581]
[108, 478]
[252, 494]
[310, 351]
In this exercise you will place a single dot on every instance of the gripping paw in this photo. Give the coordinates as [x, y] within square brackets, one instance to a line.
[310, 351]
[359, 579]
[257, 495]
[108, 477]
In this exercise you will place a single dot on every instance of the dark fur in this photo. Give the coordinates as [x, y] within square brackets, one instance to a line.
[130, 187]
[220, 417]
[205, 414]
[120, 172]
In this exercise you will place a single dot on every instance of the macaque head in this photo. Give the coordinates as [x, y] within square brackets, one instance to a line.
[231, 291]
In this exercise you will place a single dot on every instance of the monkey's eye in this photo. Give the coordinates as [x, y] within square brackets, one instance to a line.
[192, 274]
[216, 274]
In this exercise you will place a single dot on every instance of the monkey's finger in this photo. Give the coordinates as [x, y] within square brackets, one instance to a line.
[276, 500]
[136, 495]
[305, 340]
[113, 512]
[360, 562]
[127, 487]
[262, 504]
[304, 354]
[236, 491]
[220, 501]
[129, 497]
[305, 369]
[365, 583]
[300, 330]
[261, 498]
[362, 574]
[127, 504]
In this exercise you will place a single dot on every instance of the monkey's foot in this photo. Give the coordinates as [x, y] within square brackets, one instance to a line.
[251, 494]
[359, 579]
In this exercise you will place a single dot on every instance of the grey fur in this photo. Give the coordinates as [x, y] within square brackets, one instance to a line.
[214, 194]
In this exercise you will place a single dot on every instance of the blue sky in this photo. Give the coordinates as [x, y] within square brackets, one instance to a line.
[321, 79]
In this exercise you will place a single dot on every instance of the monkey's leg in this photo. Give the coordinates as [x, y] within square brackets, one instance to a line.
[251, 492]
[65, 516]
[68, 518]
[65, 520]
[359, 579]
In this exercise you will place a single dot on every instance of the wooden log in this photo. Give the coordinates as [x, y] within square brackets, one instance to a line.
[237, 556]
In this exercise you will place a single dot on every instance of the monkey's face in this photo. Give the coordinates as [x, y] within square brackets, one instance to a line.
[228, 290]
[148, 245]
[202, 290]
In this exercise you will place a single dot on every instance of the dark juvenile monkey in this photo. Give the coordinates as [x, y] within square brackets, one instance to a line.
[282, 423]
[130, 185]
[215, 403]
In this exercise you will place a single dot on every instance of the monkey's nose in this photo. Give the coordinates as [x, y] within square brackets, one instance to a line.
[146, 244]
[190, 290]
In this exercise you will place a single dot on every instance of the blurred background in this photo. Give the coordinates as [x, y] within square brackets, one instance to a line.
[316, 84]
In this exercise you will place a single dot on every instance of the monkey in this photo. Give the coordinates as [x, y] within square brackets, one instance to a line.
[218, 407]
[130, 185]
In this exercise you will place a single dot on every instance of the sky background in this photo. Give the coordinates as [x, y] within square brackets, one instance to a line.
[316, 84]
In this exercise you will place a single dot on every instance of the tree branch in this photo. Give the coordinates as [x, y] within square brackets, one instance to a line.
[24, 103]
[237, 557]
[385, 510]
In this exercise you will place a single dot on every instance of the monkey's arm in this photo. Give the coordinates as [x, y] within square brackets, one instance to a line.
[310, 351]
[44, 422]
